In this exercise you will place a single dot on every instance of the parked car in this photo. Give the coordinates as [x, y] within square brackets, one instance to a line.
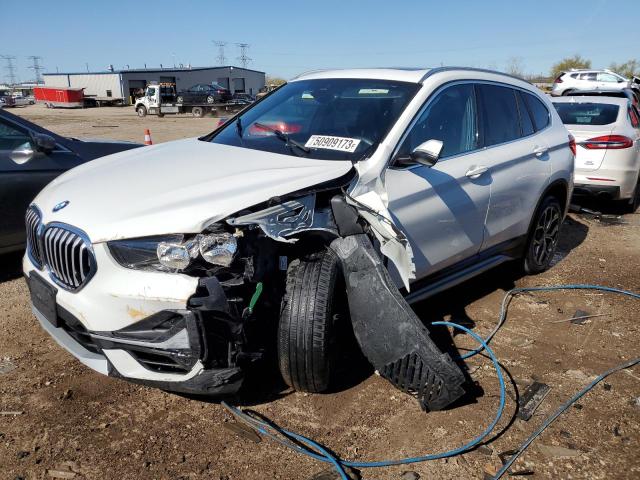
[607, 133]
[568, 82]
[204, 93]
[30, 157]
[409, 180]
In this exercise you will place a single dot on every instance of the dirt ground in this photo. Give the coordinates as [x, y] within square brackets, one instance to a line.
[61, 420]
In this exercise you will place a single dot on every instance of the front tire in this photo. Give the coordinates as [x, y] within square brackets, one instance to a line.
[306, 353]
[141, 111]
[543, 238]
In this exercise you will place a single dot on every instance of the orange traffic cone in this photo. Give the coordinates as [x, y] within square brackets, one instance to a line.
[147, 137]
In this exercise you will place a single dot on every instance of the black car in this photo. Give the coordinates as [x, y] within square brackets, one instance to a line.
[204, 93]
[30, 157]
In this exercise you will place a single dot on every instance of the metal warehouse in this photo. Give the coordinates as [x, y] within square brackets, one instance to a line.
[125, 85]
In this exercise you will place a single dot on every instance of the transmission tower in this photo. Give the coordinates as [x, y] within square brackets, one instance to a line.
[222, 60]
[10, 68]
[36, 67]
[244, 59]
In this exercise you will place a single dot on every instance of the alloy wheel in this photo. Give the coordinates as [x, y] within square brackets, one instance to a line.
[545, 235]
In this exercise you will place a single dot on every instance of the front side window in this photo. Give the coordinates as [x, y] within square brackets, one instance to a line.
[587, 113]
[329, 119]
[12, 138]
[607, 77]
[450, 117]
[151, 92]
[499, 114]
[538, 110]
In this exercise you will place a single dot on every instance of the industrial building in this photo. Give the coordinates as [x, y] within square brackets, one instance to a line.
[124, 85]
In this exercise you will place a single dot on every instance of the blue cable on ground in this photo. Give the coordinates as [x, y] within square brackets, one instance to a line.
[262, 426]
[285, 437]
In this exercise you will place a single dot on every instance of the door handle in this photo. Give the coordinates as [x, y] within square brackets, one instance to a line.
[476, 171]
[539, 151]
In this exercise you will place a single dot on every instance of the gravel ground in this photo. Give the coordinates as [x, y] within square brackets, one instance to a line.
[61, 420]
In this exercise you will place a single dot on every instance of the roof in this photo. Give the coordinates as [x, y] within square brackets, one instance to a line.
[587, 99]
[154, 70]
[414, 75]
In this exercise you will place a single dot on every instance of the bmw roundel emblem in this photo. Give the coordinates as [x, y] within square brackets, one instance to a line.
[60, 206]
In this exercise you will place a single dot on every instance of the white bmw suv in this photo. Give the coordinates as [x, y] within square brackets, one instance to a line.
[575, 80]
[343, 194]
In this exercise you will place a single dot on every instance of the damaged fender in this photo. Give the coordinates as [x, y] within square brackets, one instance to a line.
[390, 334]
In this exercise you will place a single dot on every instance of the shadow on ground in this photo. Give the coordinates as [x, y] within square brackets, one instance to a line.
[10, 266]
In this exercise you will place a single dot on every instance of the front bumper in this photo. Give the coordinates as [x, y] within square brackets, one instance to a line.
[137, 326]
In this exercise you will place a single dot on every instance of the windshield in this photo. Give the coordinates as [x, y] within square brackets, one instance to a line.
[329, 119]
[587, 113]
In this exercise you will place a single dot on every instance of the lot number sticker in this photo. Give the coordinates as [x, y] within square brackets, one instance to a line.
[333, 143]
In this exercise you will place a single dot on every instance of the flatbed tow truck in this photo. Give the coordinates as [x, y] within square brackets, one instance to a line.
[160, 99]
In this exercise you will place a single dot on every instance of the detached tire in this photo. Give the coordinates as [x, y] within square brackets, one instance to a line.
[306, 331]
[543, 237]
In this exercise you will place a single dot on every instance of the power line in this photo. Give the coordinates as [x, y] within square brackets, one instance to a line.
[244, 59]
[36, 67]
[10, 68]
[222, 60]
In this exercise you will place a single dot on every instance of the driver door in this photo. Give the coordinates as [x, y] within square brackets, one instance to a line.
[23, 173]
[442, 209]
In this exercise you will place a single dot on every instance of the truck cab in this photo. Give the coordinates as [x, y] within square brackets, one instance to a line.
[158, 99]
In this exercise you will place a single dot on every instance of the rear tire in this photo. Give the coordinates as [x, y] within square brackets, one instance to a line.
[211, 100]
[634, 201]
[543, 237]
[141, 111]
[567, 93]
[180, 99]
[306, 353]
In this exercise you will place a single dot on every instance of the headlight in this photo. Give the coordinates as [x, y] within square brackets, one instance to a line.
[173, 253]
[218, 248]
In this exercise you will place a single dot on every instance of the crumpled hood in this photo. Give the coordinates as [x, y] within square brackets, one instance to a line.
[175, 187]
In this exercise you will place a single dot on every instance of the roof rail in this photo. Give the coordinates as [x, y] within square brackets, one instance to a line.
[433, 71]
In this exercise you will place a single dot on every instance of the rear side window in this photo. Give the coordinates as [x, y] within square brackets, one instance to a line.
[538, 110]
[587, 113]
[525, 119]
[591, 76]
[500, 114]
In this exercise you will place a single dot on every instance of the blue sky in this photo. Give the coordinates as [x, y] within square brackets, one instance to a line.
[288, 37]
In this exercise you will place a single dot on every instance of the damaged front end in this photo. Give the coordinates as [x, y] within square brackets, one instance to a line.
[389, 333]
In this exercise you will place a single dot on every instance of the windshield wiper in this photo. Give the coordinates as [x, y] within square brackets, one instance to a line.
[284, 137]
[239, 127]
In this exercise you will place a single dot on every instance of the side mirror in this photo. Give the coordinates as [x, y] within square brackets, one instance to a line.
[44, 143]
[426, 154]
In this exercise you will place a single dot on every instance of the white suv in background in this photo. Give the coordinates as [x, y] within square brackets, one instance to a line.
[215, 251]
[573, 80]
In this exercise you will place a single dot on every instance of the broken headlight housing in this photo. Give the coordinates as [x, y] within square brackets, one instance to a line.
[175, 253]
